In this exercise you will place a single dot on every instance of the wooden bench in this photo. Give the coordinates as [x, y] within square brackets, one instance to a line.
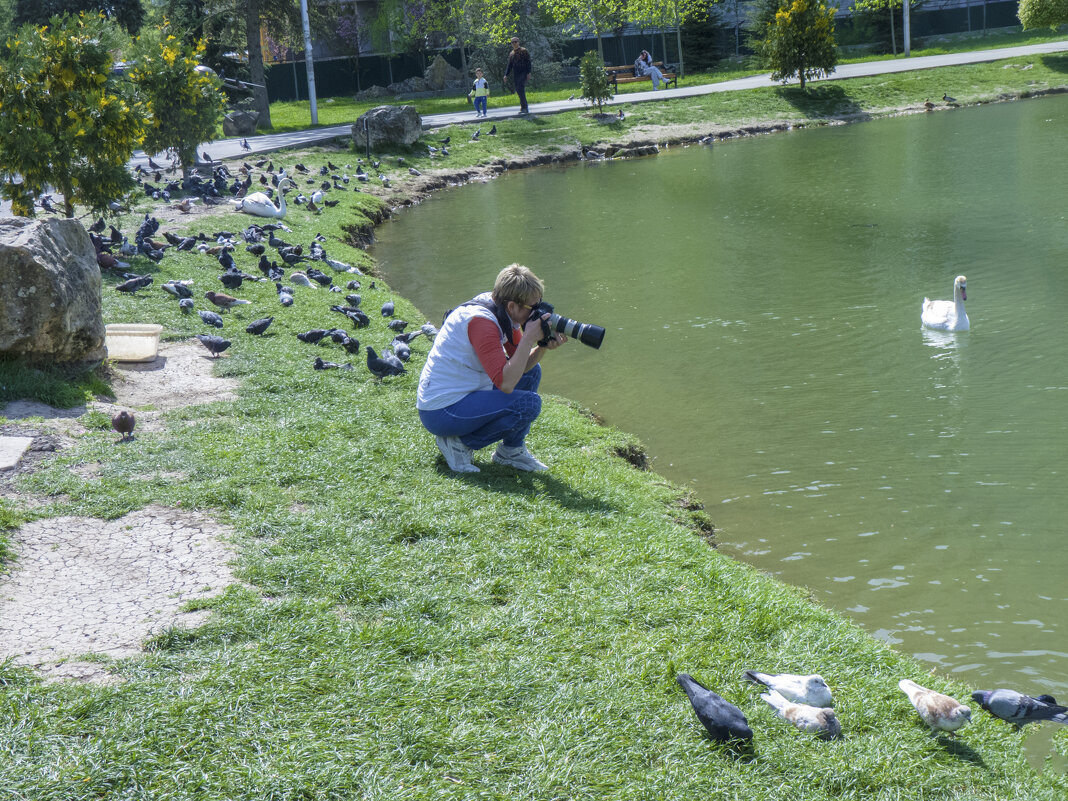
[618, 75]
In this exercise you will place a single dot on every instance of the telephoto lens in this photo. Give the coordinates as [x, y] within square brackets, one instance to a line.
[586, 333]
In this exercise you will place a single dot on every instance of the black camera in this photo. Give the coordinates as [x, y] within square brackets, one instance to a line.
[585, 333]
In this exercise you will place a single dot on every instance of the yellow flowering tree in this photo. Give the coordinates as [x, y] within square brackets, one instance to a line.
[67, 124]
[186, 103]
[799, 41]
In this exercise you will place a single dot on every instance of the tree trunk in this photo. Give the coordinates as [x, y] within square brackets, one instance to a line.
[893, 33]
[255, 63]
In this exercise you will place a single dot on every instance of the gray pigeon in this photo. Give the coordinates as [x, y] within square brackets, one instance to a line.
[404, 353]
[186, 305]
[1019, 709]
[381, 368]
[257, 327]
[387, 308]
[211, 318]
[214, 343]
[722, 719]
[811, 690]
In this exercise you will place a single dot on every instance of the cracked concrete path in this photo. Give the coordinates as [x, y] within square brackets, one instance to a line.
[82, 586]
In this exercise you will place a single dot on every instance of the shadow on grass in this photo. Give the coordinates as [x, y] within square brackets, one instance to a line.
[507, 480]
[825, 100]
[1057, 63]
[961, 750]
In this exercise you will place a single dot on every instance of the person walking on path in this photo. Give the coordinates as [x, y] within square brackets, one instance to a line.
[480, 93]
[519, 67]
[643, 66]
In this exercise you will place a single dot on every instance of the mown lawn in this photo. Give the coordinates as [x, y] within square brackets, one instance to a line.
[404, 633]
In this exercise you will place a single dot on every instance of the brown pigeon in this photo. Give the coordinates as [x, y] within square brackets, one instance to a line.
[124, 423]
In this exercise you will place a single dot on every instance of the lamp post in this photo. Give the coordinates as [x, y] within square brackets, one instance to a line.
[905, 31]
[309, 64]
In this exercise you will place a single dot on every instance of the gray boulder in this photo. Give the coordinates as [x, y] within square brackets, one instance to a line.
[373, 93]
[388, 126]
[50, 306]
[240, 123]
[440, 73]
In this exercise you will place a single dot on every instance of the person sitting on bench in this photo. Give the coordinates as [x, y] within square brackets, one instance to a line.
[644, 66]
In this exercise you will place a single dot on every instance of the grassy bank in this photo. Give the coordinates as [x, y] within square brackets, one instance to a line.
[402, 632]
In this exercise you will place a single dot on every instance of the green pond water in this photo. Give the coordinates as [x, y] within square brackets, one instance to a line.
[762, 300]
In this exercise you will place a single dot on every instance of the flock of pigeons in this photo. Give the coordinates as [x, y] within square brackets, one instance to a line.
[806, 702]
[293, 268]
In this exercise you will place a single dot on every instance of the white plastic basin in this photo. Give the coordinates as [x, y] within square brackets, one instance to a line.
[132, 342]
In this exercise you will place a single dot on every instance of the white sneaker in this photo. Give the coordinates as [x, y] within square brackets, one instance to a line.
[457, 455]
[519, 458]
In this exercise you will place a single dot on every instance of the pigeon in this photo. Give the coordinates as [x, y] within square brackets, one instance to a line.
[211, 318]
[178, 289]
[815, 720]
[231, 280]
[353, 300]
[301, 280]
[245, 145]
[722, 719]
[186, 305]
[98, 226]
[1019, 709]
[353, 285]
[214, 343]
[381, 368]
[319, 364]
[476, 134]
[811, 690]
[406, 339]
[938, 711]
[413, 171]
[351, 345]
[224, 301]
[397, 325]
[134, 284]
[428, 330]
[387, 308]
[257, 327]
[285, 298]
[621, 114]
[492, 131]
[927, 104]
[948, 99]
[206, 157]
[124, 423]
[313, 336]
[403, 352]
[446, 140]
[572, 97]
[391, 358]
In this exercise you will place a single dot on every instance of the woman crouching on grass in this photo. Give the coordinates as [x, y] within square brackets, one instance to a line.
[480, 381]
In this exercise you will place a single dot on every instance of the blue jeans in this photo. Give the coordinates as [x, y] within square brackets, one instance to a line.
[481, 103]
[488, 416]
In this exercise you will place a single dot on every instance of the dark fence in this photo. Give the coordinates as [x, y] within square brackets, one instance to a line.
[338, 77]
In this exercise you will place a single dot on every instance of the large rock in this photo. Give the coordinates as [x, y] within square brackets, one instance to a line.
[240, 123]
[50, 304]
[388, 126]
[440, 73]
[373, 93]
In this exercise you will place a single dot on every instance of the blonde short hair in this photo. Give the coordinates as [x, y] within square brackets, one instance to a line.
[517, 283]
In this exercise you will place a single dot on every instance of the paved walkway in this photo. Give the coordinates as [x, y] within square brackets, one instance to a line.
[229, 148]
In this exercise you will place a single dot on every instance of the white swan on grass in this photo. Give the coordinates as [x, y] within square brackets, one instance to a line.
[260, 205]
[948, 315]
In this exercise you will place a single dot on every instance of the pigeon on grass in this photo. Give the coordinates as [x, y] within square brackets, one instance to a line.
[722, 719]
[815, 720]
[811, 690]
[1019, 709]
[214, 343]
[938, 711]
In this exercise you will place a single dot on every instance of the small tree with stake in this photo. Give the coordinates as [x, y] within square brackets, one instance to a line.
[595, 85]
[799, 41]
[185, 101]
[66, 123]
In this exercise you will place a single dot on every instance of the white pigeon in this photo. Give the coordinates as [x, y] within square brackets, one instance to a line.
[947, 315]
[815, 720]
[811, 690]
[938, 711]
[302, 280]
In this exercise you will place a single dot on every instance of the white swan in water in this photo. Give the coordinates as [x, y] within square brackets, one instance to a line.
[946, 315]
[259, 204]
